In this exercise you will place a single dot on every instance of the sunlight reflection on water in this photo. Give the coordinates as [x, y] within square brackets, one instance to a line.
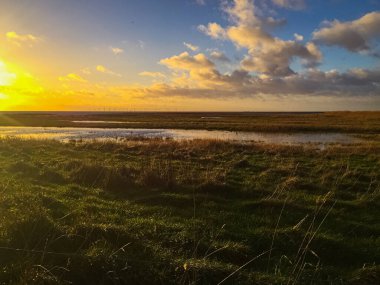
[117, 134]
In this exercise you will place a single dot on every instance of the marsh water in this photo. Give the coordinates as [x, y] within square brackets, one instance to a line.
[120, 134]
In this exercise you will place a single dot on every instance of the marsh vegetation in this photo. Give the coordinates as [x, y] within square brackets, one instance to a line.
[152, 211]
[351, 122]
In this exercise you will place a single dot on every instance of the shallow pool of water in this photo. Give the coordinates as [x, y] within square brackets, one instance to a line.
[98, 122]
[117, 134]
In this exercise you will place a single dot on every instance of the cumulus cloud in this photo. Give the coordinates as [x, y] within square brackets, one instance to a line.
[200, 2]
[19, 40]
[243, 13]
[191, 46]
[355, 36]
[354, 82]
[266, 66]
[275, 59]
[116, 50]
[219, 56]
[185, 61]
[313, 82]
[266, 54]
[103, 69]
[202, 75]
[290, 4]
[252, 38]
[195, 71]
[199, 71]
[213, 30]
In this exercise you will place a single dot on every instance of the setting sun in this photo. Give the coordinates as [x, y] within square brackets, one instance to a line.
[6, 77]
[16, 86]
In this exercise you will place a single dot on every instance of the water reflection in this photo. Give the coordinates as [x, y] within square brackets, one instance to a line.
[65, 134]
[105, 122]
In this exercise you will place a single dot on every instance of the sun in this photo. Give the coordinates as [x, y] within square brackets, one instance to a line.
[17, 87]
[7, 78]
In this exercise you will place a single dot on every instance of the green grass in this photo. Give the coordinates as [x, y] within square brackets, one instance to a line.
[195, 212]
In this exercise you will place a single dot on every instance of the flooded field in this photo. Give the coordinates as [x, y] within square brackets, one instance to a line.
[66, 134]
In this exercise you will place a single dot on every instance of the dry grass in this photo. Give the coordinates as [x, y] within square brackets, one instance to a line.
[354, 122]
[200, 212]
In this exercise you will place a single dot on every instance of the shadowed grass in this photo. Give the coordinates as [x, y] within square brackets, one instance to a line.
[194, 212]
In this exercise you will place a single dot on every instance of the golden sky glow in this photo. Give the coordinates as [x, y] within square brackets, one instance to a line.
[16, 86]
[239, 61]
[6, 77]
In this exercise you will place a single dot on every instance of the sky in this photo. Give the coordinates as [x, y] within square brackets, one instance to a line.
[189, 55]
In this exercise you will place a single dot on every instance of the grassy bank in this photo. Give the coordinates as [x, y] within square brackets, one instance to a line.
[354, 122]
[201, 212]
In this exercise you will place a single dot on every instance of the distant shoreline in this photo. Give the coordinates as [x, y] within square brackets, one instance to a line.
[346, 122]
[174, 112]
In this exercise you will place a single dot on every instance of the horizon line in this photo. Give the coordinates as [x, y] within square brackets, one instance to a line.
[205, 111]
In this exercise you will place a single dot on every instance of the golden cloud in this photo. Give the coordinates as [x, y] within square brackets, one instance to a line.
[19, 40]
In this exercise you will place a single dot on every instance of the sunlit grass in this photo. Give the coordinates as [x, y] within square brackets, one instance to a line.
[154, 211]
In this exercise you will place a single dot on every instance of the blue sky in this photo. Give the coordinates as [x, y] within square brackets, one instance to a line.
[78, 35]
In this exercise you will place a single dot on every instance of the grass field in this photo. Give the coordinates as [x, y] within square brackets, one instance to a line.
[354, 122]
[193, 212]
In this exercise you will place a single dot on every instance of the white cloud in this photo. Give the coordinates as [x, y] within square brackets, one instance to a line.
[191, 46]
[266, 67]
[243, 13]
[266, 54]
[213, 30]
[298, 37]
